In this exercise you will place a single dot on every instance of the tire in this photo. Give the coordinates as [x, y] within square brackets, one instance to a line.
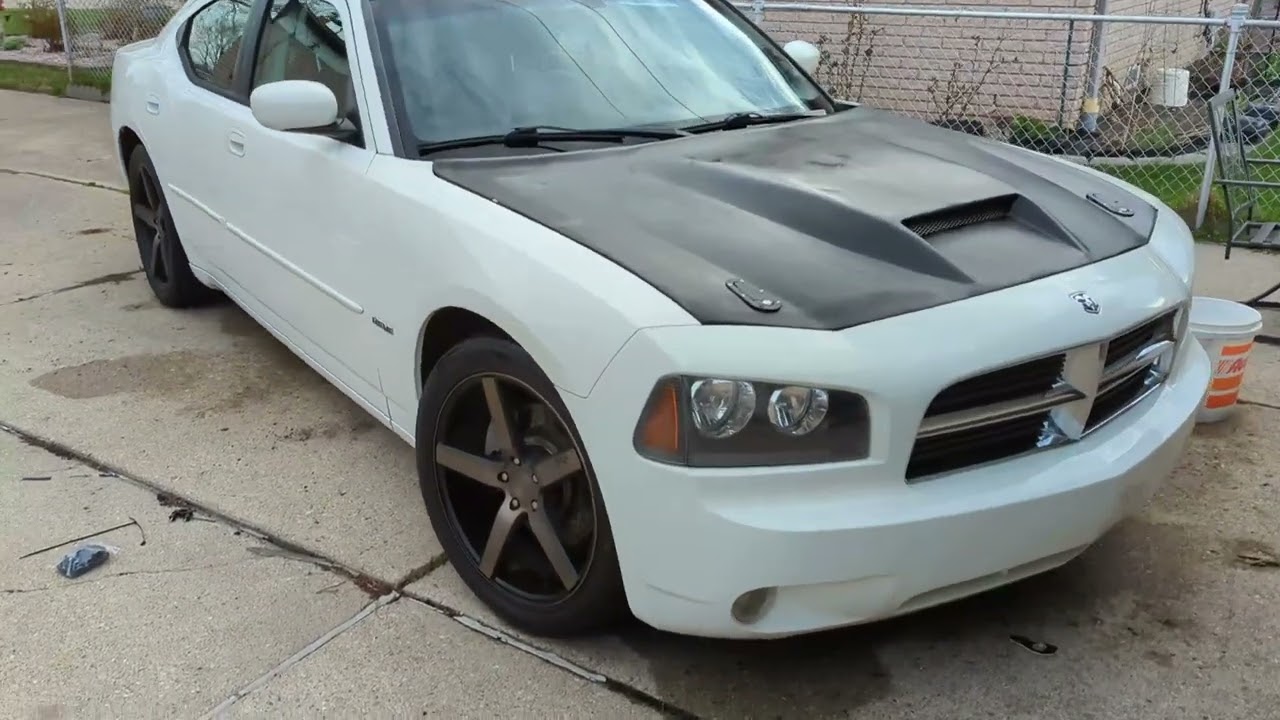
[453, 414]
[159, 246]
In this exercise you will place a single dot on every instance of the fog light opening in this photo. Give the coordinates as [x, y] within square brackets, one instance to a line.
[752, 605]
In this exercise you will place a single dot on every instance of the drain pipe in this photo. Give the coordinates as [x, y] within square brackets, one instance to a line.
[1093, 92]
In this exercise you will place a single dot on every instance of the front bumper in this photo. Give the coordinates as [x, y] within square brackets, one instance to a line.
[853, 542]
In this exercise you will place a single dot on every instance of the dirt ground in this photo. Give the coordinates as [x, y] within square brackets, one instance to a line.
[288, 566]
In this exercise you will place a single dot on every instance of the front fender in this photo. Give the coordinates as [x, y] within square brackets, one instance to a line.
[570, 308]
[575, 374]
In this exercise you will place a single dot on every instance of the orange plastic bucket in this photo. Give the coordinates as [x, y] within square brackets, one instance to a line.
[1226, 330]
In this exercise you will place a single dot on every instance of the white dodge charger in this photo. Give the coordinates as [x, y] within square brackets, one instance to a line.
[671, 330]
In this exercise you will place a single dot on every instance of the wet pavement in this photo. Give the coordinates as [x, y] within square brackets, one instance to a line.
[308, 581]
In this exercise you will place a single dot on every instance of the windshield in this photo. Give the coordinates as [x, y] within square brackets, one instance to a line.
[467, 68]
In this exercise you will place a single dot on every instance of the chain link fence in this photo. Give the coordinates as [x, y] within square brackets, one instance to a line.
[80, 36]
[94, 29]
[1126, 94]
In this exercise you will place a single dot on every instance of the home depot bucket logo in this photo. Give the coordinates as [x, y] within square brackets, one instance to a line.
[1228, 374]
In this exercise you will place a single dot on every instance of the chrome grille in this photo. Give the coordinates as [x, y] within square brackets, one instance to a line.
[1043, 402]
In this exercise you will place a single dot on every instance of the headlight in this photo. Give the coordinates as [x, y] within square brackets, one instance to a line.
[721, 408]
[796, 410]
[729, 422]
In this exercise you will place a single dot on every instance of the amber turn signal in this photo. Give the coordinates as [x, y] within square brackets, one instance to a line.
[659, 430]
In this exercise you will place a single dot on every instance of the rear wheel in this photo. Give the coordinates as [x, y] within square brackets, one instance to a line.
[163, 259]
[511, 494]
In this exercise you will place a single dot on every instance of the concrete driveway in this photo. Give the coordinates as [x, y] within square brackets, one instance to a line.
[288, 566]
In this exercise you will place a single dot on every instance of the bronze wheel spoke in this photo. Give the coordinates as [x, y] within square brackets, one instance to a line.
[145, 215]
[503, 523]
[480, 469]
[549, 540]
[552, 470]
[149, 190]
[157, 257]
[498, 413]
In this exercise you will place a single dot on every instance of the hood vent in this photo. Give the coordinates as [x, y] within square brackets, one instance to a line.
[959, 216]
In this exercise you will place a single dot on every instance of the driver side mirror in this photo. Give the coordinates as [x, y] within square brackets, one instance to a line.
[296, 106]
[806, 54]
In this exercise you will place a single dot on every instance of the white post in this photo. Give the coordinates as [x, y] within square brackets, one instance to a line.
[66, 38]
[1235, 24]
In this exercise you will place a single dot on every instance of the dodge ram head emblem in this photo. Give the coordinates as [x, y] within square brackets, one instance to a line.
[1089, 305]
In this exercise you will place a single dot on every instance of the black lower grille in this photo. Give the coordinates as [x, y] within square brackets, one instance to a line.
[1116, 397]
[943, 453]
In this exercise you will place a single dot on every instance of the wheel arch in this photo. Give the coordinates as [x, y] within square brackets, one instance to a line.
[444, 329]
[466, 317]
[127, 140]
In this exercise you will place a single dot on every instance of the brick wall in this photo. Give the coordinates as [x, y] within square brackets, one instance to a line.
[993, 69]
[1135, 50]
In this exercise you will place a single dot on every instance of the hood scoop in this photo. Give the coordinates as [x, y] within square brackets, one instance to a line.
[961, 216]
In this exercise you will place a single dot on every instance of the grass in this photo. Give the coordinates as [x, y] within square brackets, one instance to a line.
[1178, 186]
[30, 77]
[82, 19]
[15, 22]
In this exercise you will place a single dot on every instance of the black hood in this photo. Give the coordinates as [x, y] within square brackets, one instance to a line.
[823, 223]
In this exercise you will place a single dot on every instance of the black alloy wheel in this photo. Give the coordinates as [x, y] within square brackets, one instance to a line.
[511, 494]
[163, 259]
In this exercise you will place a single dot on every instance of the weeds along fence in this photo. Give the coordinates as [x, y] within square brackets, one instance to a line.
[1127, 94]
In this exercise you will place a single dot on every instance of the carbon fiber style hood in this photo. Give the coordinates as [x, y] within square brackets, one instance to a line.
[824, 223]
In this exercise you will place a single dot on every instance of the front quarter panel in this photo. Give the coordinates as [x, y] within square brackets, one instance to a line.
[434, 245]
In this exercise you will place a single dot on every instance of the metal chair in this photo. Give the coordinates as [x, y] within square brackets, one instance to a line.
[1235, 173]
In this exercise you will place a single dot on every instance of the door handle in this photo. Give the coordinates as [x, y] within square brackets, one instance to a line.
[235, 143]
[153, 104]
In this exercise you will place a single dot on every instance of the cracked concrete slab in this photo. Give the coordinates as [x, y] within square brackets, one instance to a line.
[64, 137]
[168, 628]
[54, 238]
[407, 660]
[209, 405]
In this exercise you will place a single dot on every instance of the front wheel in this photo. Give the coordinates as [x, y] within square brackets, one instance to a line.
[511, 493]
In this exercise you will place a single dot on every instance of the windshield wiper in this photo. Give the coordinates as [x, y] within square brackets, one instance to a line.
[737, 121]
[534, 136]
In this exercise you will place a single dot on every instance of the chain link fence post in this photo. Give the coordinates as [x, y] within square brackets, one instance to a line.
[1092, 105]
[66, 40]
[1235, 25]
[757, 11]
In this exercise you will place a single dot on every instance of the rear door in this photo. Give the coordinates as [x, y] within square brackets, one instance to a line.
[199, 145]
